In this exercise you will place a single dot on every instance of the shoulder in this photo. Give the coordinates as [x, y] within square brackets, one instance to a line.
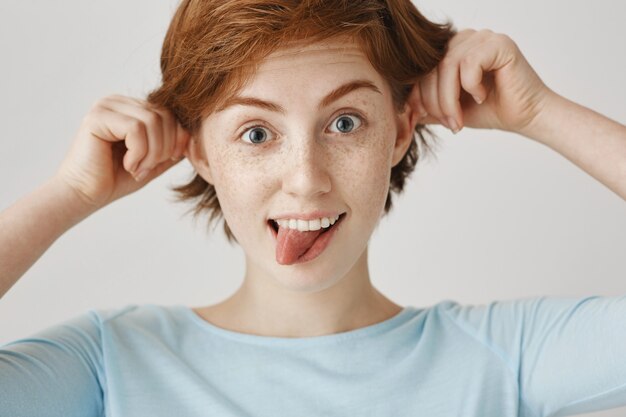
[145, 316]
[141, 326]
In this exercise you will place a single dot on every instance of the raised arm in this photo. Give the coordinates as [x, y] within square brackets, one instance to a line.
[32, 224]
[590, 140]
[122, 144]
[484, 81]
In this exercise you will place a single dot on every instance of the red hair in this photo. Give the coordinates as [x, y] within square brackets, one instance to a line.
[212, 48]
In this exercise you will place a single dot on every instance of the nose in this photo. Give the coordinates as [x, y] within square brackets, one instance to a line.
[306, 168]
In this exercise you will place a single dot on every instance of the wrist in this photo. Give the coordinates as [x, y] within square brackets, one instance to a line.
[547, 115]
[70, 204]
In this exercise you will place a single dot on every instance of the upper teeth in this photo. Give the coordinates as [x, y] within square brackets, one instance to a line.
[306, 225]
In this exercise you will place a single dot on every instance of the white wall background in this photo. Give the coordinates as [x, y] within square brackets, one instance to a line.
[495, 216]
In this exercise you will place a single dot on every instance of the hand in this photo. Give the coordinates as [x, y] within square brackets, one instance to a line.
[481, 67]
[119, 136]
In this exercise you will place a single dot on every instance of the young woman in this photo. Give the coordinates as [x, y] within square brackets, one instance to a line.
[300, 119]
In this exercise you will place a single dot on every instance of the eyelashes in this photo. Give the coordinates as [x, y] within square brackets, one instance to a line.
[258, 134]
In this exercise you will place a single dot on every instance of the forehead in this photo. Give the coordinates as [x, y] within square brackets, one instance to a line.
[326, 62]
[298, 79]
[338, 50]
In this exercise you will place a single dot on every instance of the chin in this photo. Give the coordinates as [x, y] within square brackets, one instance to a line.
[307, 281]
[311, 277]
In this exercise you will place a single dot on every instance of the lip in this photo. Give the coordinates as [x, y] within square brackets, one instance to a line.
[312, 215]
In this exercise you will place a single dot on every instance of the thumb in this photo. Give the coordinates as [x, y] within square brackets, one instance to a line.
[160, 168]
[429, 120]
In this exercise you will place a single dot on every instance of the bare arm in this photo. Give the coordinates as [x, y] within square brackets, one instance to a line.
[590, 140]
[90, 178]
[515, 99]
[32, 224]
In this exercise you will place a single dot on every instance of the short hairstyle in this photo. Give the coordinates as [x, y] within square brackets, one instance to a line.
[212, 48]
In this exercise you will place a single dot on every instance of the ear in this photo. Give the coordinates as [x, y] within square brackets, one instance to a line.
[196, 154]
[405, 123]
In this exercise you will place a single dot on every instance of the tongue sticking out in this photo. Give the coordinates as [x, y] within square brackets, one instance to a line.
[293, 243]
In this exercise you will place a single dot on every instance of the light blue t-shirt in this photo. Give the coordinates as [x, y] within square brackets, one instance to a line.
[531, 357]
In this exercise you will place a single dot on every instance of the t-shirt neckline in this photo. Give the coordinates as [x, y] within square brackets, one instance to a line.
[361, 332]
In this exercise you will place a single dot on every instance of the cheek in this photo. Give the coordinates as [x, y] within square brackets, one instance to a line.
[240, 184]
[365, 171]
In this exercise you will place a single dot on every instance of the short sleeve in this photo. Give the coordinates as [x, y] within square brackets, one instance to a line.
[55, 372]
[569, 354]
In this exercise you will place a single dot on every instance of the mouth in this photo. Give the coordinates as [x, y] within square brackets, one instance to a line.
[318, 246]
[273, 225]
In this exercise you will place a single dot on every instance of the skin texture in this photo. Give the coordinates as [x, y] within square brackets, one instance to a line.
[483, 82]
[306, 163]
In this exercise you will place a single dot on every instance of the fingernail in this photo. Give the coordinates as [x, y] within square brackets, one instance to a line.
[141, 175]
[453, 125]
[477, 99]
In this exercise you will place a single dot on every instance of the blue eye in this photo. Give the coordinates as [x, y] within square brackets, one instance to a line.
[345, 124]
[255, 135]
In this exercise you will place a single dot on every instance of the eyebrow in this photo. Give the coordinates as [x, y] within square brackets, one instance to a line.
[333, 96]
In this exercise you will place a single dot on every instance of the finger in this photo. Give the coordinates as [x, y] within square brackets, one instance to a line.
[169, 125]
[460, 38]
[453, 44]
[112, 126]
[170, 130]
[157, 170]
[430, 120]
[493, 53]
[461, 43]
[176, 137]
[153, 125]
[449, 88]
[471, 76]
[466, 41]
[430, 95]
[182, 139]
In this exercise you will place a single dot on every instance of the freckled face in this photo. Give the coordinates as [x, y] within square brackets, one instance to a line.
[338, 157]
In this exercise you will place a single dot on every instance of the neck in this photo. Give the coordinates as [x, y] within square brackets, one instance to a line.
[262, 307]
